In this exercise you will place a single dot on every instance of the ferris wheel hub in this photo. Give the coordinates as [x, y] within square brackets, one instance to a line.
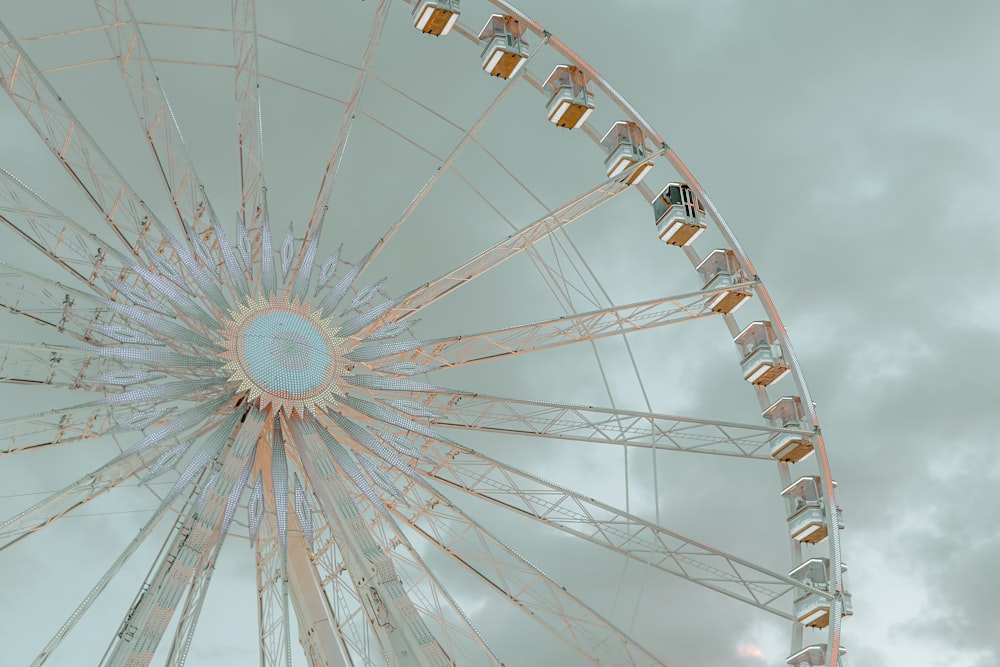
[284, 354]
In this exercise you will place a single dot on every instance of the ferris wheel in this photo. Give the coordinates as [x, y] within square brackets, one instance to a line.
[497, 274]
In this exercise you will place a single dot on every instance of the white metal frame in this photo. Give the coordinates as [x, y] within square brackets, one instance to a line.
[146, 307]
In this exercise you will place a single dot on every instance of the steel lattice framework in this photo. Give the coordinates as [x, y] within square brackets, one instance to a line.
[289, 399]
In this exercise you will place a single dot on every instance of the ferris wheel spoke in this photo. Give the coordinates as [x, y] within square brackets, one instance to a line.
[344, 130]
[185, 565]
[80, 492]
[460, 641]
[204, 417]
[111, 573]
[271, 557]
[446, 165]
[249, 121]
[40, 298]
[91, 319]
[612, 528]
[195, 600]
[106, 272]
[558, 281]
[161, 592]
[90, 259]
[272, 595]
[456, 534]
[29, 433]
[188, 390]
[238, 276]
[39, 364]
[77, 251]
[460, 638]
[332, 620]
[40, 104]
[152, 108]
[398, 627]
[452, 628]
[52, 307]
[544, 419]
[154, 358]
[615, 321]
[523, 239]
[160, 442]
[334, 623]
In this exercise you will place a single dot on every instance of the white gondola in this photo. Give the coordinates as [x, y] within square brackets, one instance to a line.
[786, 412]
[626, 146]
[679, 214]
[435, 17]
[812, 656]
[811, 608]
[721, 269]
[505, 50]
[571, 103]
[762, 360]
[806, 513]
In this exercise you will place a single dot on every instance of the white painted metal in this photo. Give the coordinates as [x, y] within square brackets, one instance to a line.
[253, 206]
[471, 348]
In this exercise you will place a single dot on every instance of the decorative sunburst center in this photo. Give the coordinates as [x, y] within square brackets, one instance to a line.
[285, 355]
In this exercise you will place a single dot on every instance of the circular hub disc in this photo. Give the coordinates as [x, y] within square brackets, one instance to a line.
[286, 355]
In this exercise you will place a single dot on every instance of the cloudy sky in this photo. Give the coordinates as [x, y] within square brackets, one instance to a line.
[851, 147]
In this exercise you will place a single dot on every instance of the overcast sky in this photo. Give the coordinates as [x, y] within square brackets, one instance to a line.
[852, 147]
